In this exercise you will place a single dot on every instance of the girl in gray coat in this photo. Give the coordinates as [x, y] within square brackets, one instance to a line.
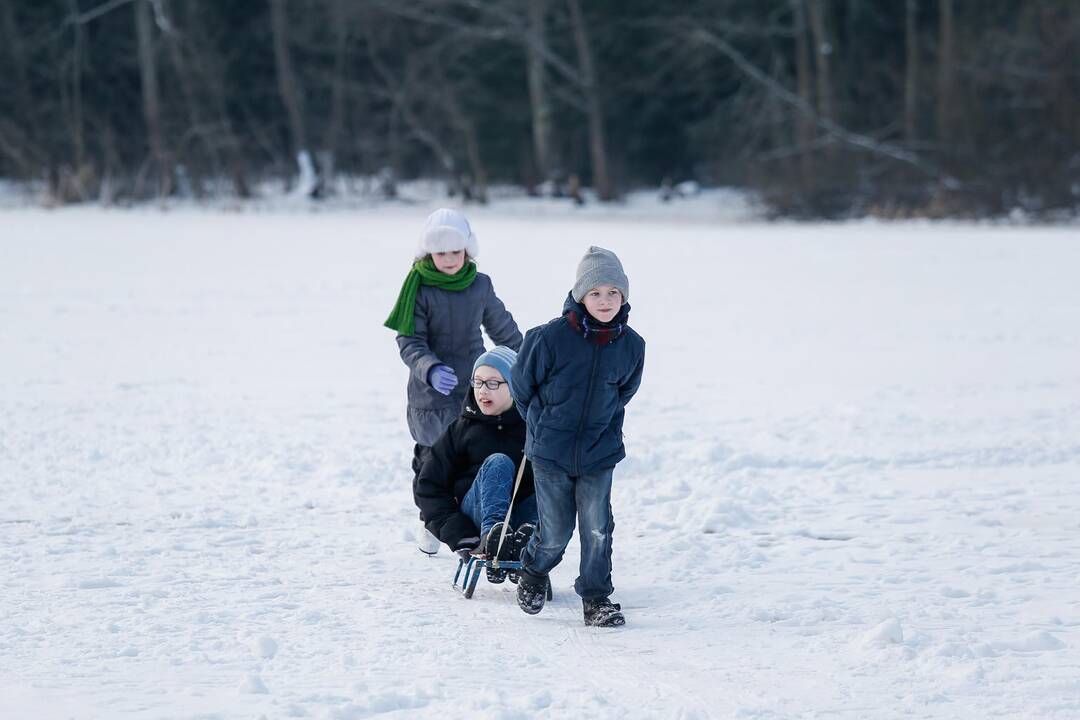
[438, 315]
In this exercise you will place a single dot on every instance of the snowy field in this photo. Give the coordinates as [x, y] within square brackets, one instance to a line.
[852, 489]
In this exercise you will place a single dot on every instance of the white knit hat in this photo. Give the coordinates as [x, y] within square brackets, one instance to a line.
[447, 230]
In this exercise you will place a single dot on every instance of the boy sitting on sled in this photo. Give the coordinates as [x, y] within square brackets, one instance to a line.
[464, 488]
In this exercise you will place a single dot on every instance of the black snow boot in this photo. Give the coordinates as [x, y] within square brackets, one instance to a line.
[491, 546]
[532, 592]
[603, 613]
[521, 539]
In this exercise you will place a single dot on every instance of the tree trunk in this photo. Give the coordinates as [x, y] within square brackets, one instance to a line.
[291, 96]
[478, 187]
[197, 125]
[210, 68]
[804, 124]
[337, 98]
[823, 50]
[539, 102]
[12, 41]
[946, 72]
[77, 136]
[151, 99]
[594, 108]
[911, 70]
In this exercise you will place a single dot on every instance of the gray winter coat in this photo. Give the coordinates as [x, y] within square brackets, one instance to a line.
[448, 333]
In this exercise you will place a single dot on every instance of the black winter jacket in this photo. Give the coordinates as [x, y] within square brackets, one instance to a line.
[573, 391]
[454, 461]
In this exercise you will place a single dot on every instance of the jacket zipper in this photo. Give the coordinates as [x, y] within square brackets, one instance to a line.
[585, 412]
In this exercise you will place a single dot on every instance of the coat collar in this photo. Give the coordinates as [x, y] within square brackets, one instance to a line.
[591, 329]
[471, 411]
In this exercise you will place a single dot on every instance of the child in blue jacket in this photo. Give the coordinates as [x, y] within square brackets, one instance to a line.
[572, 381]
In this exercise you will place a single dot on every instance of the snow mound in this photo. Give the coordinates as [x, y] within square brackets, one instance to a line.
[887, 633]
[1035, 642]
[253, 685]
[265, 648]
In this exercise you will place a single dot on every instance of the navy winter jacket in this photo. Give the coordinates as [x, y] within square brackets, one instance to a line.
[571, 384]
[455, 459]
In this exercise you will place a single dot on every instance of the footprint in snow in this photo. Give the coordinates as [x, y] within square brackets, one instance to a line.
[253, 685]
[265, 648]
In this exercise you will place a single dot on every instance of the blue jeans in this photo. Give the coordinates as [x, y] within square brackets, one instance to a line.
[561, 498]
[489, 496]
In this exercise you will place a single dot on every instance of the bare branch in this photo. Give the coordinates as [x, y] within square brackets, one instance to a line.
[512, 30]
[403, 107]
[161, 18]
[103, 9]
[802, 107]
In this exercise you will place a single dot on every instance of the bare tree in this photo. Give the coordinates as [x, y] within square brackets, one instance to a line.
[198, 128]
[335, 128]
[400, 89]
[12, 42]
[823, 105]
[151, 98]
[911, 69]
[477, 189]
[856, 141]
[804, 123]
[946, 71]
[576, 84]
[539, 99]
[595, 110]
[210, 69]
[824, 46]
[291, 96]
[77, 133]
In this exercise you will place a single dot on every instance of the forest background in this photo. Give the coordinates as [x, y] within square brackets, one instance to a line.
[821, 108]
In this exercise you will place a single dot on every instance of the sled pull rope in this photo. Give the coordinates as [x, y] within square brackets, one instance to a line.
[509, 509]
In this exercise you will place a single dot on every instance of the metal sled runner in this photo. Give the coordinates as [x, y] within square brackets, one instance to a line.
[474, 565]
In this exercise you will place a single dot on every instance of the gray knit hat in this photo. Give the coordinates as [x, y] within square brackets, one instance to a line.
[600, 267]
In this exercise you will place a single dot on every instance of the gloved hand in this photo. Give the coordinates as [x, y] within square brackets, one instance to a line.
[443, 379]
[466, 546]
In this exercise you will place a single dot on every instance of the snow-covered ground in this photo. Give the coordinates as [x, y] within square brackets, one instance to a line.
[852, 490]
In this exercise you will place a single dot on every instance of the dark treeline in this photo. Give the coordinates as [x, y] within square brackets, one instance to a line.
[825, 107]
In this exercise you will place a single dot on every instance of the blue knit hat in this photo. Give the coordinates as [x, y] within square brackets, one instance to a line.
[500, 357]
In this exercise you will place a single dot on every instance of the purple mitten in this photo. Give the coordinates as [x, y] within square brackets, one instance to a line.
[443, 379]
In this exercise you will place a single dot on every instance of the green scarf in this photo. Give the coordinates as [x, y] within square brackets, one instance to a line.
[424, 272]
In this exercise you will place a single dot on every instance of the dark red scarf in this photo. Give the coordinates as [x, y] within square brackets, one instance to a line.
[593, 330]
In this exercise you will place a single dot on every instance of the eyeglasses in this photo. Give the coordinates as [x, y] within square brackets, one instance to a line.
[490, 384]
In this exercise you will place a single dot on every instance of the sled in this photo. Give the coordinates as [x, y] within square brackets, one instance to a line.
[474, 566]
[478, 562]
